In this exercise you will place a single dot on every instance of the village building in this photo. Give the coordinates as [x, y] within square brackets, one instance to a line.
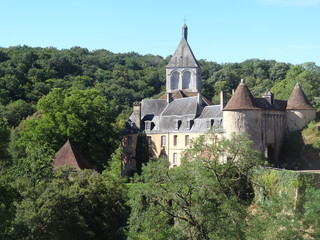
[182, 114]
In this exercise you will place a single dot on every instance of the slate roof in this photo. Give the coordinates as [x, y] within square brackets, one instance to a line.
[183, 106]
[70, 157]
[184, 94]
[183, 56]
[298, 100]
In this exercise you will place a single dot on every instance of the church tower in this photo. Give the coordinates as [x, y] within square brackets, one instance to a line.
[183, 71]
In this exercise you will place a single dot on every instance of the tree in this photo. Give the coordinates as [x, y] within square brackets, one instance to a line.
[85, 117]
[204, 198]
[72, 205]
[4, 142]
[142, 151]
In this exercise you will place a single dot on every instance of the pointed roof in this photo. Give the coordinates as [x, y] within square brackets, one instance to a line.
[70, 157]
[242, 99]
[183, 56]
[298, 100]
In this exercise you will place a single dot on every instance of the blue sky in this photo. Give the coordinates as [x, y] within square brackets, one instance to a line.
[219, 30]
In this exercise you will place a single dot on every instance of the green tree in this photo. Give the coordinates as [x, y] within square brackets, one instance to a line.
[72, 205]
[85, 117]
[142, 151]
[204, 198]
[4, 142]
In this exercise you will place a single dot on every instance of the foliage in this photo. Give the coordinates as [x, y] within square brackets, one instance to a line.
[204, 198]
[7, 208]
[281, 197]
[4, 141]
[85, 117]
[311, 134]
[142, 151]
[72, 205]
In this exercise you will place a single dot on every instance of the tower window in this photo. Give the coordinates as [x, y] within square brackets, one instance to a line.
[186, 80]
[175, 80]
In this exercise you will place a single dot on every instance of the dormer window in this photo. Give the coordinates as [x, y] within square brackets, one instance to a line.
[189, 124]
[147, 125]
[210, 123]
[177, 124]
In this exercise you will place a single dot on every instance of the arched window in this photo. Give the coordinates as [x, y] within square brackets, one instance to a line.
[175, 80]
[186, 80]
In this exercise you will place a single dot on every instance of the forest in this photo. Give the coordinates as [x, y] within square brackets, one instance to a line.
[48, 96]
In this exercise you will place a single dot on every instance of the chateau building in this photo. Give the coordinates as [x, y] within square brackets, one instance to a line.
[182, 113]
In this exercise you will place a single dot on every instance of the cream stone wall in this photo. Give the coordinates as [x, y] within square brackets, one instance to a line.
[298, 119]
[171, 148]
[244, 121]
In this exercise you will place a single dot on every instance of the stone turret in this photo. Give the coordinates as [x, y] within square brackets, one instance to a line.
[241, 115]
[183, 71]
[299, 110]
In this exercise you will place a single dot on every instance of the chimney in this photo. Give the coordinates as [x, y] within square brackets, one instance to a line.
[137, 114]
[268, 96]
[199, 96]
[169, 97]
[223, 99]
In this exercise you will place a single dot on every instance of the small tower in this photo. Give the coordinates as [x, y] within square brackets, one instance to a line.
[183, 71]
[299, 110]
[241, 115]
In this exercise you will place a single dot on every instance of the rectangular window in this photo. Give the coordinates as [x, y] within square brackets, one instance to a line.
[149, 140]
[163, 140]
[175, 140]
[175, 158]
[129, 158]
[129, 141]
[187, 140]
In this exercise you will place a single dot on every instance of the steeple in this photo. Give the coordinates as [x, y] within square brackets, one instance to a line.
[183, 71]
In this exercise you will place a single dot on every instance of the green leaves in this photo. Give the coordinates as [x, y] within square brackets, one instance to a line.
[204, 198]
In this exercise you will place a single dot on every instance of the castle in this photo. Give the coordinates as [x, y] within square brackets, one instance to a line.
[182, 113]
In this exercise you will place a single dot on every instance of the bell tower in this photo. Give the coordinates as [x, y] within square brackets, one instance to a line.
[183, 71]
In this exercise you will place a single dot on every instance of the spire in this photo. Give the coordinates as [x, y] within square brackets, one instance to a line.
[183, 56]
[298, 100]
[242, 99]
[185, 32]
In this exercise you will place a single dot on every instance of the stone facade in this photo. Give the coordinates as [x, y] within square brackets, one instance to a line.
[183, 114]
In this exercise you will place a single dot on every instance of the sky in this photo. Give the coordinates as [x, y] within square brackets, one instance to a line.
[223, 31]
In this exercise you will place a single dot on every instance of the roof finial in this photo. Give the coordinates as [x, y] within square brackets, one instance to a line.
[242, 81]
[297, 85]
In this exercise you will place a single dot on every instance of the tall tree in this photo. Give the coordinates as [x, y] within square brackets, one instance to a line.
[204, 198]
[142, 151]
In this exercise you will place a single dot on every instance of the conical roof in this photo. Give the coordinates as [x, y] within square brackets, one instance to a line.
[242, 99]
[183, 56]
[70, 157]
[298, 100]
